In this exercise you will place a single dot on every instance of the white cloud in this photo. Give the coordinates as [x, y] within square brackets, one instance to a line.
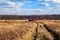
[11, 3]
[29, 11]
[3, 1]
[15, 6]
[52, 10]
[20, 11]
[20, 4]
[47, 4]
[57, 1]
[5, 11]
[48, 0]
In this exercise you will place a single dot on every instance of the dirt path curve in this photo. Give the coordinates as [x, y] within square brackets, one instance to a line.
[42, 31]
[48, 32]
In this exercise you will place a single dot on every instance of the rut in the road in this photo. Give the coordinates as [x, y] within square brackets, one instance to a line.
[42, 30]
[36, 32]
[55, 35]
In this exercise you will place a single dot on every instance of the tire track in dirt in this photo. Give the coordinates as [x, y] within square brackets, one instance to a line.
[52, 32]
[55, 35]
[40, 26]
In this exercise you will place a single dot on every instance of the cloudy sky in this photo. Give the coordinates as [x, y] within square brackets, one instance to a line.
[29, 7]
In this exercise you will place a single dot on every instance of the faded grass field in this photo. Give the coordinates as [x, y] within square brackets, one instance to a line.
[25, 30]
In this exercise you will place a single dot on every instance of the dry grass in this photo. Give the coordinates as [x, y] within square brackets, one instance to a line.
[12, 30]
[54, 26]
[23, 30]
[44, 32]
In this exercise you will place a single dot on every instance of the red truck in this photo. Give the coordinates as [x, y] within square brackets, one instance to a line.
[32, 19]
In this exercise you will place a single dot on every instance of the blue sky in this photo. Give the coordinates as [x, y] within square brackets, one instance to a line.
[29, 7]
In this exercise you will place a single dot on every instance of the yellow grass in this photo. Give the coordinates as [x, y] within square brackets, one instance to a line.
[23, 29]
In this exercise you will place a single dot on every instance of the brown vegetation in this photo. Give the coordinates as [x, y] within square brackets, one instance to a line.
[24, 30]
[53, 26]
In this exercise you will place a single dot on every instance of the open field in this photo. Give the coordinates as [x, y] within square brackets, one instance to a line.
[25, 30]
[53, 26]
